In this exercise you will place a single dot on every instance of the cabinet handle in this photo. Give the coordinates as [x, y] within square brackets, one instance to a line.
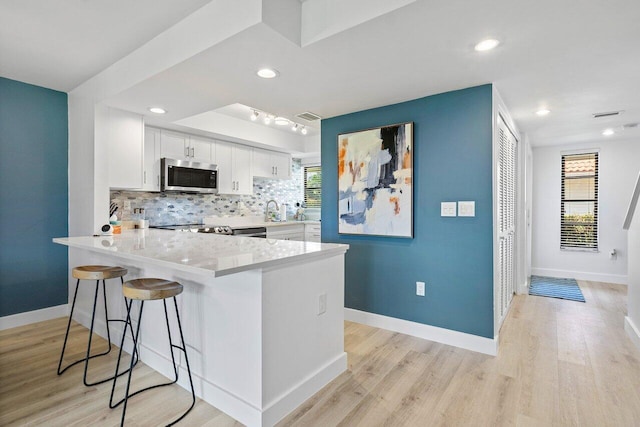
[276, 170]
[193, 152]
[186, 151]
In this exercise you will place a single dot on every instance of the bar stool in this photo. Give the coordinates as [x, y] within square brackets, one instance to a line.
[144, 290]
[97, 273]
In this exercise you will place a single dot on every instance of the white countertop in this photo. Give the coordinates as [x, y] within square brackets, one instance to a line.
[209, 254]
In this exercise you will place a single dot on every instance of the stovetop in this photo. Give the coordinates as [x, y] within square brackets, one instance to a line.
[213, 229]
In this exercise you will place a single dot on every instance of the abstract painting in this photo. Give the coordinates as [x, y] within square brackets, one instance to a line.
[375, 188]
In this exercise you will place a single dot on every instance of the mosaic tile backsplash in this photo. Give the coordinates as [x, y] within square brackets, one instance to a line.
[179, 208]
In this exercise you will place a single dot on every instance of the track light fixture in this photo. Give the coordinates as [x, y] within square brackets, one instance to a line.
[303, 130]
[254, 116]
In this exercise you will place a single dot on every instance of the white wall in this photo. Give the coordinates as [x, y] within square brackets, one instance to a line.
[619, 163]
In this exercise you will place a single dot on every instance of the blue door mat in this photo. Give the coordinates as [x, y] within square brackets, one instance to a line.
[555, 287]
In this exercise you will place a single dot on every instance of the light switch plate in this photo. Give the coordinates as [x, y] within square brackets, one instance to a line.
[448, 209]
[467, 208]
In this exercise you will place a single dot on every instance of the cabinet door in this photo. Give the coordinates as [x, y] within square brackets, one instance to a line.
[226, 184]
[262, 165]
[200, 149]
[174, 145]
[125, 139]
[151, 174]
[282, 165]
[242, 170]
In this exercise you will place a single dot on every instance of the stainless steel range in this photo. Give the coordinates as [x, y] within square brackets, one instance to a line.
[250, 231]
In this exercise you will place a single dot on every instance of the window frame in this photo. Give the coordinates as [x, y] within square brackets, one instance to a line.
[305, 187]
[595, 247]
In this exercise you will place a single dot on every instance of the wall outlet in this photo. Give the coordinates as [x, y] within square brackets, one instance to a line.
[322, 304]
[420, 289]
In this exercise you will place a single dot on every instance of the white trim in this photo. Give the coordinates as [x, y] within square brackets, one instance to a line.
[287, 402]
[432, 333]
[619, 279]
[632, 330]
[29, 317]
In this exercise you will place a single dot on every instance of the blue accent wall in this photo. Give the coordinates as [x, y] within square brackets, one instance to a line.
[454, 256]
[33, 197]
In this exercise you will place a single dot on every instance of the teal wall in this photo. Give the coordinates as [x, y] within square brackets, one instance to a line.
[33, 197]
[454, 256]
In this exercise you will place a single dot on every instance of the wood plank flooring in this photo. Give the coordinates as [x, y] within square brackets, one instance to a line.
[561, 363]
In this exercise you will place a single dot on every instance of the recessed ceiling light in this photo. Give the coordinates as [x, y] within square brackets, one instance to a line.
[608, 132]
[157, 110]
[267, 73]
[281, 121]
[487, 44]
[543, 112]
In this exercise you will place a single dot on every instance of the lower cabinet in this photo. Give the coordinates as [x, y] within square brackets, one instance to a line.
[295, 231]
[286, 232]
[312, 233]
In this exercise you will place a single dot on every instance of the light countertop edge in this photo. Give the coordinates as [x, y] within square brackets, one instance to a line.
[327, 250]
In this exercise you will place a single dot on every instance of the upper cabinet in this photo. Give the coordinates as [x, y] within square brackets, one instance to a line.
[125, 139]
[271, 164]
[181, 146]
[151, 166]
[234, 168]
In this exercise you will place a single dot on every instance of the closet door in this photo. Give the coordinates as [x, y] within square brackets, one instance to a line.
[507, 146]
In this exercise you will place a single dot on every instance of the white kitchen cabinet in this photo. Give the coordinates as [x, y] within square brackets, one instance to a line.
[151, 165]
[180, 146]
[125, 142]
[312, 233]
[271, 164]
[286, 232]
[234, 168]
[201, 149]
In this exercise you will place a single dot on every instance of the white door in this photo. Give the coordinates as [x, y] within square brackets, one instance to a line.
[506, 174]
[242, 170]
[226, 184]
[200, 149]
[174, 145]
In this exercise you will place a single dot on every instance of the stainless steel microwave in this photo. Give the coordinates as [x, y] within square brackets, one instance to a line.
[192, 177]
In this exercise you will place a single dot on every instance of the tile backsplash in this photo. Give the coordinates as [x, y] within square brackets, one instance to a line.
[180, 208]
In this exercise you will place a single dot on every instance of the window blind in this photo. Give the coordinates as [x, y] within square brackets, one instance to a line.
[313, 186]
[579, 202]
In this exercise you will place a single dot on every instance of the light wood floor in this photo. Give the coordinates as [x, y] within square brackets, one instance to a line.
[560, 363]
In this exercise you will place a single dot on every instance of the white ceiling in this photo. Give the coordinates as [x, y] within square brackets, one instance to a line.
[573, 57]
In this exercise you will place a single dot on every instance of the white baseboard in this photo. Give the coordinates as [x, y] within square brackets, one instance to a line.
[632, 330]
[34, 316]
[432, 333]
[307, 387]
[619, 279]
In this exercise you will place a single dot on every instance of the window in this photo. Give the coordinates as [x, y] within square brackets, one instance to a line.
[312, 186]
[579, 202]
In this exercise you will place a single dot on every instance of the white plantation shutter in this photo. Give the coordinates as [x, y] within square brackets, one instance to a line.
[579, 202]
[506, 175]
[313, 186]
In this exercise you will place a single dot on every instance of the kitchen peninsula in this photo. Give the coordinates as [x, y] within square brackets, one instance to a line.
[263, 318]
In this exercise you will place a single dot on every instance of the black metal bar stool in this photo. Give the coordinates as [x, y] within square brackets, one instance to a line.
[144, 290]
[97, 273]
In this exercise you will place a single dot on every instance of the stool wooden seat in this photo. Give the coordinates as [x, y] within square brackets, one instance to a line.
[99, 273]
[146, 289]
[150, 289]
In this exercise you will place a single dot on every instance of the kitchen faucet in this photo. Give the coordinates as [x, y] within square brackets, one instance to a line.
[266, 210]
